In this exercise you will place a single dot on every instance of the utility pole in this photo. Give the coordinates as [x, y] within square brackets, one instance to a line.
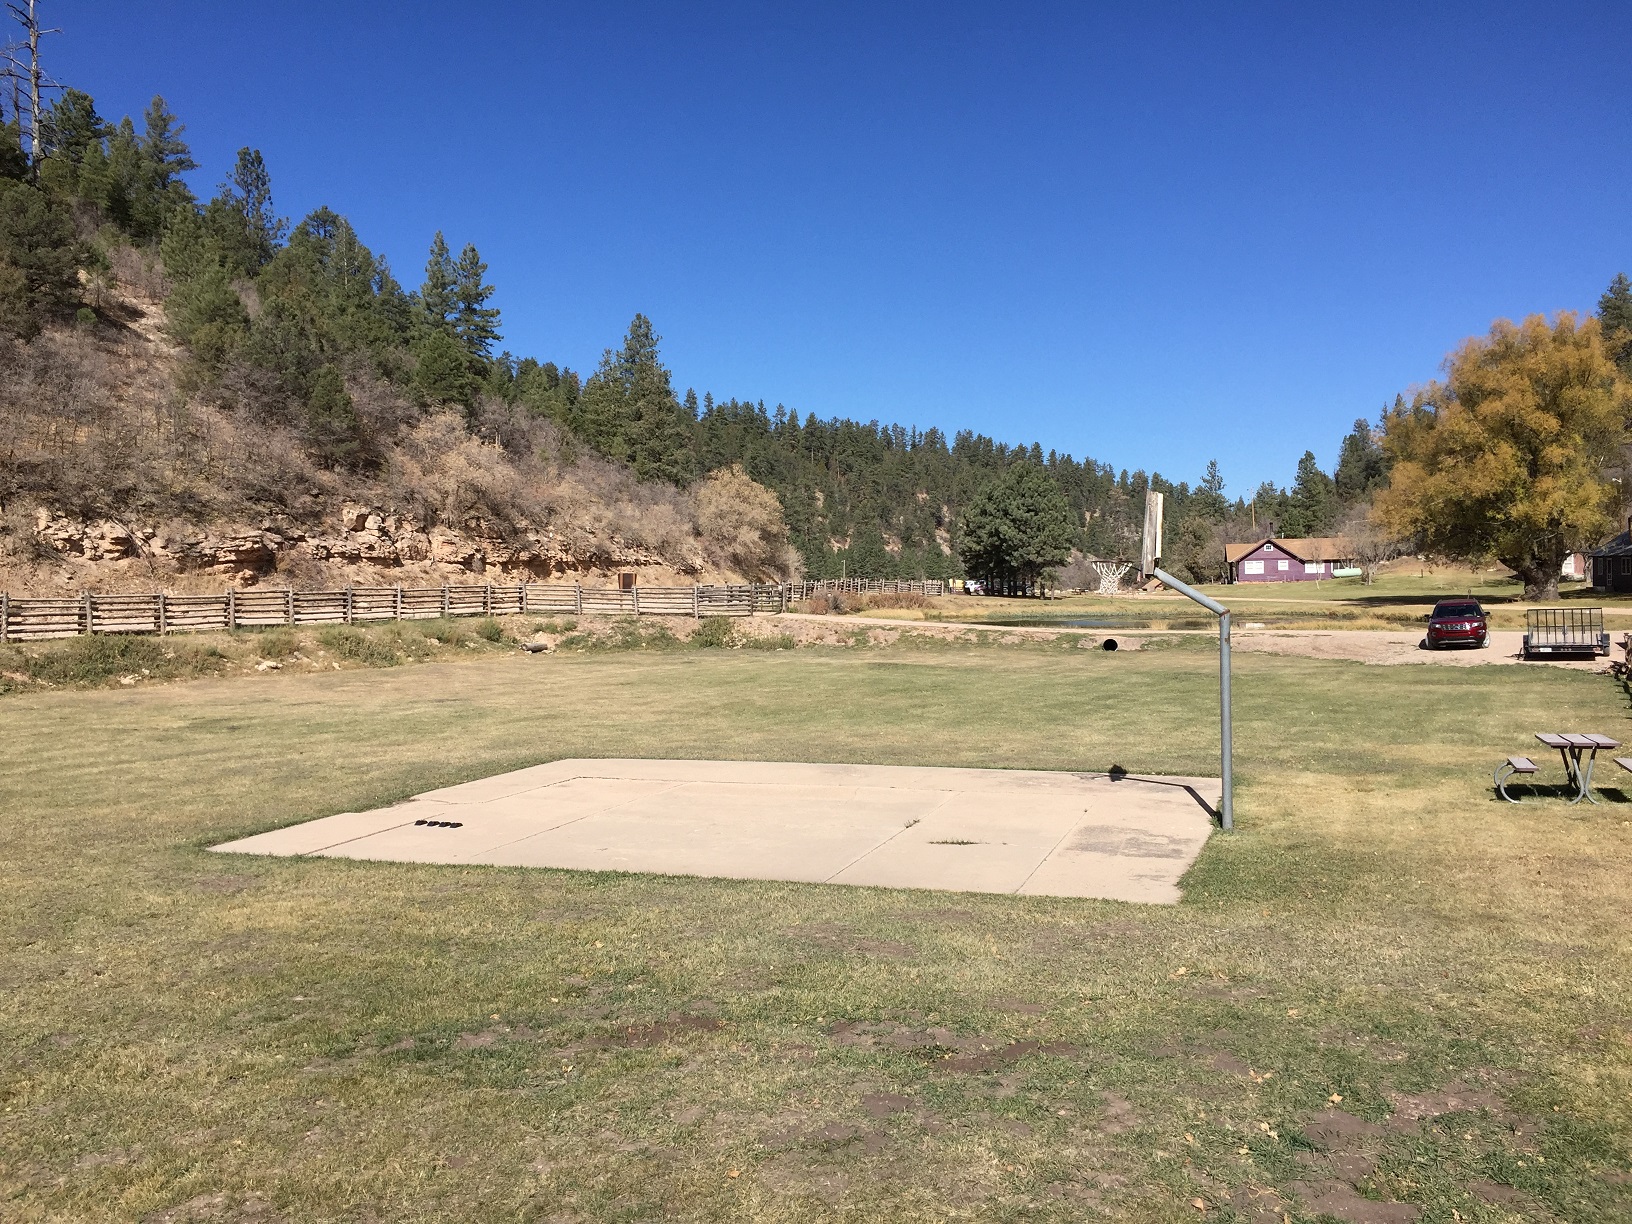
[37, 80]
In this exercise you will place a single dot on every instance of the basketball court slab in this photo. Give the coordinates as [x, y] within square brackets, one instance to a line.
[1122, 837]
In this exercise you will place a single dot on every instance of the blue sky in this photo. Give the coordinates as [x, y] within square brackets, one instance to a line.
[1150, 234]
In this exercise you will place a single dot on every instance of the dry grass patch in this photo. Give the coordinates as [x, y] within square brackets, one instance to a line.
[183, 1034]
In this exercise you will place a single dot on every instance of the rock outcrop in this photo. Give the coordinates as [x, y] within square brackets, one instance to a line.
[350, 546]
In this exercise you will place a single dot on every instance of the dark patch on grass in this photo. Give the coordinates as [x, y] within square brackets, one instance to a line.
[836, 935]
[1340, 1201]
[1004, 1056]
[1338, 1130]
[1019, 1006]
[226, 884]
[881, 1105]
[681, 1024]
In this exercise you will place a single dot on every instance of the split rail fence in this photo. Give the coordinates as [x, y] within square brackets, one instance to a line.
[27, 619]
[866, 586]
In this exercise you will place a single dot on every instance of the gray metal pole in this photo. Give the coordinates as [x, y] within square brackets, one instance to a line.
[1226, 803]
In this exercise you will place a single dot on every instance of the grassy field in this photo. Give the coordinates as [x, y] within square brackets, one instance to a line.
[186, 1036]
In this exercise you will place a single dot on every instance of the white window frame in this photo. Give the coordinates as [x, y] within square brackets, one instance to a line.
[1282, 566]
[1252, 567]
[1314, 567]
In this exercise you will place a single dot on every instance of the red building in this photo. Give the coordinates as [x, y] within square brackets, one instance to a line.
[1290, 560]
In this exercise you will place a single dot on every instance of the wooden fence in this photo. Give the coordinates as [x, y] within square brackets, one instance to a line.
[25, 619]
[866, 586]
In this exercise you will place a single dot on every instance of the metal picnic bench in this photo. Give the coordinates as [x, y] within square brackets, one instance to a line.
[1571, 747]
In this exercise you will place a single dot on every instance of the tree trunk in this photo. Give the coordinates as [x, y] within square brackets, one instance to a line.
[1540, 579]
[1544, 589]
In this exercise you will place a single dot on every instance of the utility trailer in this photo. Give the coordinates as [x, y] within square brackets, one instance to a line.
[1574, 631]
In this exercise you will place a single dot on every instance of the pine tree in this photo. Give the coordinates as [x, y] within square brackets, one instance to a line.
[475, 323]
[1362, 467]
[630, 412]
[188, 247]
[206, 314]
[1312, 507]
[164, 152]
[67, 131]
[437, 298]
[13, 161]
[443, 374]
[39, 259]
[1615, 314]
[125, 189]
[1208, 500]
[1017, 526]
[165, 157]
[331, 419]
[241, 217]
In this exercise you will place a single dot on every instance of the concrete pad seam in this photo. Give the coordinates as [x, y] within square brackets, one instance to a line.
[916, 820]
[344, 840]
[729, 782]
[673, 786]
[1020, 887]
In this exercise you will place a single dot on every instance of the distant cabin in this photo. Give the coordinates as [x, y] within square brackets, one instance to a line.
[1290, 560]
[1611, 564]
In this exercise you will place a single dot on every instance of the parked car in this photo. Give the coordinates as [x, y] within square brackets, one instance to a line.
[1457, 622]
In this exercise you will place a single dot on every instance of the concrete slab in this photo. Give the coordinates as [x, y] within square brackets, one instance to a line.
[967, 830]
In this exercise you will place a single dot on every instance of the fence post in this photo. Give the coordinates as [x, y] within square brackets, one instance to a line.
[90, 625]
[232, 609]
[396, 602]
[445, 603]
[578, 598]
[289, 597]
[524, 597]
[349, 613]
[163, 627]
[782, 588]
[634, 591]
[695, 613]
[487, 599]
[5, 613]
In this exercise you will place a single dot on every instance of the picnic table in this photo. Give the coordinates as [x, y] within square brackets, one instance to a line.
[1572, 747]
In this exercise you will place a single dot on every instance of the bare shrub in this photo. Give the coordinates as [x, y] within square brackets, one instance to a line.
[1370, 543]
[454, 478]
[741, 523]
[139, 273]
[894, 599]
[1077, 574]
[383, 412]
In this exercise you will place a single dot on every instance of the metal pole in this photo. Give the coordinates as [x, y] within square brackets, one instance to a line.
[1226, 814]
[1226, 803]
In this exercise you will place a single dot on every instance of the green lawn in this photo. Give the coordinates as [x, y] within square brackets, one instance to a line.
[185, 1036]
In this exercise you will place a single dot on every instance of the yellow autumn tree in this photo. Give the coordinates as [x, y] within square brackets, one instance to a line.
[741, 522]
[1512, 455]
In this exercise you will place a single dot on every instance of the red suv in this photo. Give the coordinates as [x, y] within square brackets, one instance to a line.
[1457, 622]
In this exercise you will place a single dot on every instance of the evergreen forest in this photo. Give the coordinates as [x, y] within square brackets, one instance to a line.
[289, 324]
